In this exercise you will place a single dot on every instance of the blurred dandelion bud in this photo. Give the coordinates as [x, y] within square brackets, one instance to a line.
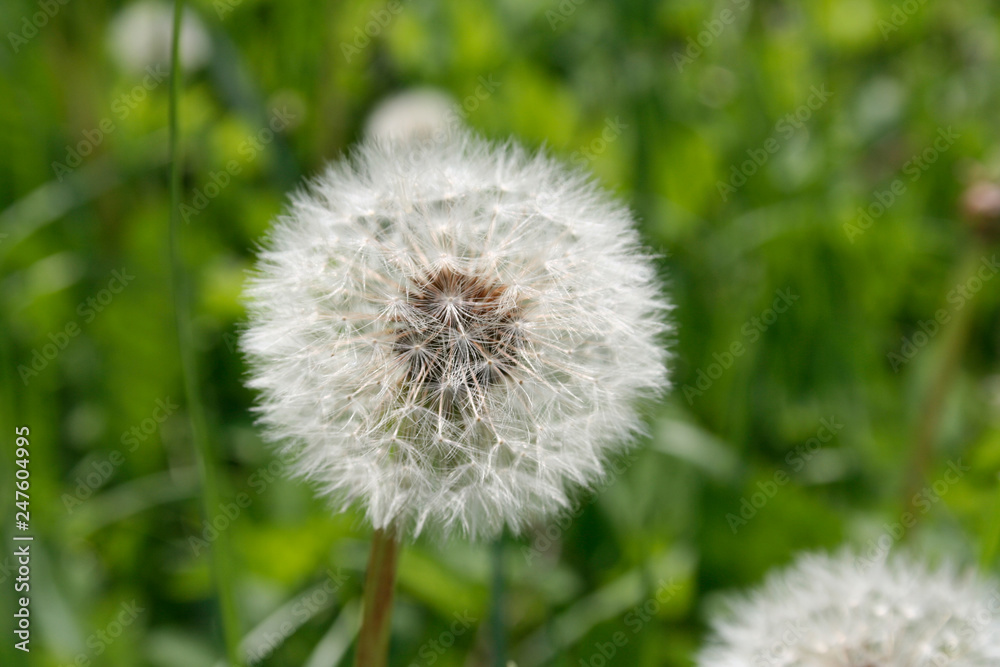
[841, 611]
[981, 207]
[453, 335]
[420, 114]
[139, 37]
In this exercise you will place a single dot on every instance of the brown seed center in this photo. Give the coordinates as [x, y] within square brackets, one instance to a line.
[459, 333]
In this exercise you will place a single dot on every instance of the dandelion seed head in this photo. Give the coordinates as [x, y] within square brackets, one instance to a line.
[841, 611]
[140, 34]
[453, 336]
[418, 114]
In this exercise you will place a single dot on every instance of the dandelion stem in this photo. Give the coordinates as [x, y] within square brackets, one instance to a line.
[941, 381]
[195, 409]
[380, 584]
[991, 542]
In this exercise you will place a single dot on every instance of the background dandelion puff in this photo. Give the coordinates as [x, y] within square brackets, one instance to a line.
[842, 611]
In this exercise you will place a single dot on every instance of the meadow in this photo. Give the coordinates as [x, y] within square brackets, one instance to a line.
[818, 181]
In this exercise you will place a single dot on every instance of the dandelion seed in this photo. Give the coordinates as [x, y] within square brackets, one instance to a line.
[835, 611]
[453, 335]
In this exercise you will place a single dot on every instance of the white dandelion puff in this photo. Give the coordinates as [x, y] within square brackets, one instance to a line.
[453, 335]
[837, 611]
[419, 114]
[139, 36]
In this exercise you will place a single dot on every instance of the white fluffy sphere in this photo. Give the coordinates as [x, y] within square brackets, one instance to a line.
[419, 114]
[453, 335]
[841, 611]
[140, 36]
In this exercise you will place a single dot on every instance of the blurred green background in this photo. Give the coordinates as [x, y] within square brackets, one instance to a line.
[813, 175]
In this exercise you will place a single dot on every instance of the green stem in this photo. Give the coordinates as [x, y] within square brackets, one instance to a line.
[221, 563]
[932, 407]
[991, 538]
[380, 585]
